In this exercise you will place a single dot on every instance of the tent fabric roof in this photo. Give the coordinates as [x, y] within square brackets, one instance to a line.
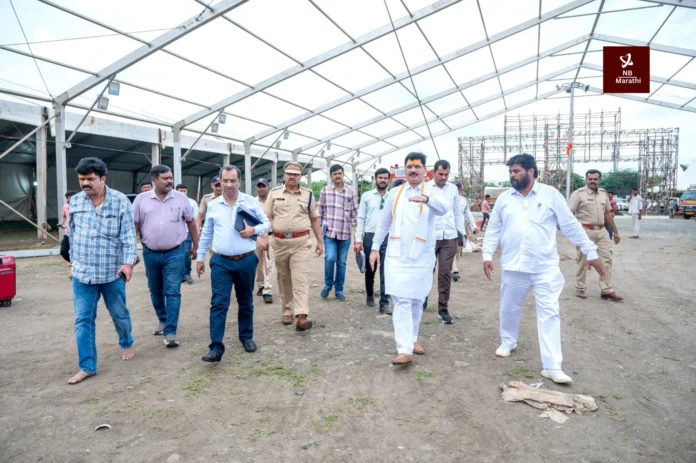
[330, 72]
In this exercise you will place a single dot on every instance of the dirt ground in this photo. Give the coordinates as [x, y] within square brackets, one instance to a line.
[331, 395]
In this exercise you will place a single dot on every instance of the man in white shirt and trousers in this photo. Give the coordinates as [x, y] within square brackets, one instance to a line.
[524, 223]
[635, 208]
[408, 218]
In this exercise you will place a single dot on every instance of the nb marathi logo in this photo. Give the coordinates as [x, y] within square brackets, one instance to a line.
[626, 61]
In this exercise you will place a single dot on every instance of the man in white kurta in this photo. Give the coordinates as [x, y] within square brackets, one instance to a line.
[635, 208]
[409, 220]
[524, 223]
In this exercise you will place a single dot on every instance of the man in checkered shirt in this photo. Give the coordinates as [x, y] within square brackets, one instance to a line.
[103, 251]
[338, 210]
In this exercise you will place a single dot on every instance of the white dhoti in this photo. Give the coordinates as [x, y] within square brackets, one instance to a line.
[547, 287]
[636, 224]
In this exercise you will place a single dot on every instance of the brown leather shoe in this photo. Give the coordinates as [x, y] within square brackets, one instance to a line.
[581, 294]
[287, 319]
[303, 323]
[402, 359]
[418, 349]
[612, 297]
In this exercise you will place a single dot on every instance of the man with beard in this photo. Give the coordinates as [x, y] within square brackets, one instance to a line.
[448, 228]
[524, 223]
[217, 191]
[233, 262]
[592, 207]
[265, 267]
[103, 251]
[371, 206]
[162, 217]
[292, 211]
[408, 218]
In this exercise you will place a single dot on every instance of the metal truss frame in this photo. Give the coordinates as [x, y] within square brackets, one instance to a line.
[220, 9]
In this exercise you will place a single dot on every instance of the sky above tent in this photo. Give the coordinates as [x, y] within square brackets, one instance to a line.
[262, 38]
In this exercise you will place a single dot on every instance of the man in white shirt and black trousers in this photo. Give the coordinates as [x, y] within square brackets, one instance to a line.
[524, 223]
[371, 206]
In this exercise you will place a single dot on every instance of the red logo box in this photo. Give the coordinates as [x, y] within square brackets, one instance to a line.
[626, 70]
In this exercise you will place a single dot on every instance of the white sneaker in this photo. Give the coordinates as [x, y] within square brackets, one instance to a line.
[504, 351]
[557, 376]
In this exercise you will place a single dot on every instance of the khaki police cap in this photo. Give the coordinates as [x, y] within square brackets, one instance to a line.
[292, 167]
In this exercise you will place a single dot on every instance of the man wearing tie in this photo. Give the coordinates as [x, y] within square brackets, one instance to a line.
[233, 262]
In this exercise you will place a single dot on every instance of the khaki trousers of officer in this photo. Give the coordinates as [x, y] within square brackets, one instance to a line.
[264, 270]
[604, 251]
[292, 269]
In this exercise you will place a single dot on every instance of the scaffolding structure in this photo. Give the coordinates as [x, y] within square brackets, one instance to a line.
[597, 137]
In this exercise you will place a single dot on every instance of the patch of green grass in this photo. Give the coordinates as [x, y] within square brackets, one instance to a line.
[363, 400]
[176, 436]
[428, 322]
[197, 385]
[265, 418]
[156, 428]
[115, 453]
[200, 350]
[614, 395]
[282, 372]
[327, 424]
[90, 399]
[422, 375]
[317, 371]
[431, 309]
[521, 371]
[671, 358]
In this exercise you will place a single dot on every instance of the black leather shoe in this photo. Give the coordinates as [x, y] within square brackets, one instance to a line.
[212, 356]
[370, 301]
[249, 345]
[267, 298]
[260, 291]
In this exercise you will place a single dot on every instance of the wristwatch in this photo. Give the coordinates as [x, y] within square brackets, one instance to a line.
[427, 199]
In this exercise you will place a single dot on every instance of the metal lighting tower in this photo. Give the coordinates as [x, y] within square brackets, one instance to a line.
[570, 88]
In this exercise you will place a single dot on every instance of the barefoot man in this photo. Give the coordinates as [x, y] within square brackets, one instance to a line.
[103, 252]
[409, 218]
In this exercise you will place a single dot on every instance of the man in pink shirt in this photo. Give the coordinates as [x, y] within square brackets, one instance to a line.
[65, 223]
[163, 217]
[486, 209]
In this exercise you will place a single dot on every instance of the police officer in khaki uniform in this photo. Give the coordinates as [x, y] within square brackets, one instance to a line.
[591, 207]
[292, 211]
[203, 208]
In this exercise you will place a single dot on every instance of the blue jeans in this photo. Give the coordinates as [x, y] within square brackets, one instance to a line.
[225, 273]
[335, 252]
[164, 271]
[188, 244]
[86, 298]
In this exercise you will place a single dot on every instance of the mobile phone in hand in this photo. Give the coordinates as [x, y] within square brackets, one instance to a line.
[122, 276]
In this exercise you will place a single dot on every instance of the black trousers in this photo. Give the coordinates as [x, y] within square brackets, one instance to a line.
[65, 248]
[370, 273]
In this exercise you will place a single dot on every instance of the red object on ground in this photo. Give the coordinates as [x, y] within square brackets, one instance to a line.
[8, 280]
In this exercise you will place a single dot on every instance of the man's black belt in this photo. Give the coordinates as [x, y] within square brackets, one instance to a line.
[237, 257]
[162, 250]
